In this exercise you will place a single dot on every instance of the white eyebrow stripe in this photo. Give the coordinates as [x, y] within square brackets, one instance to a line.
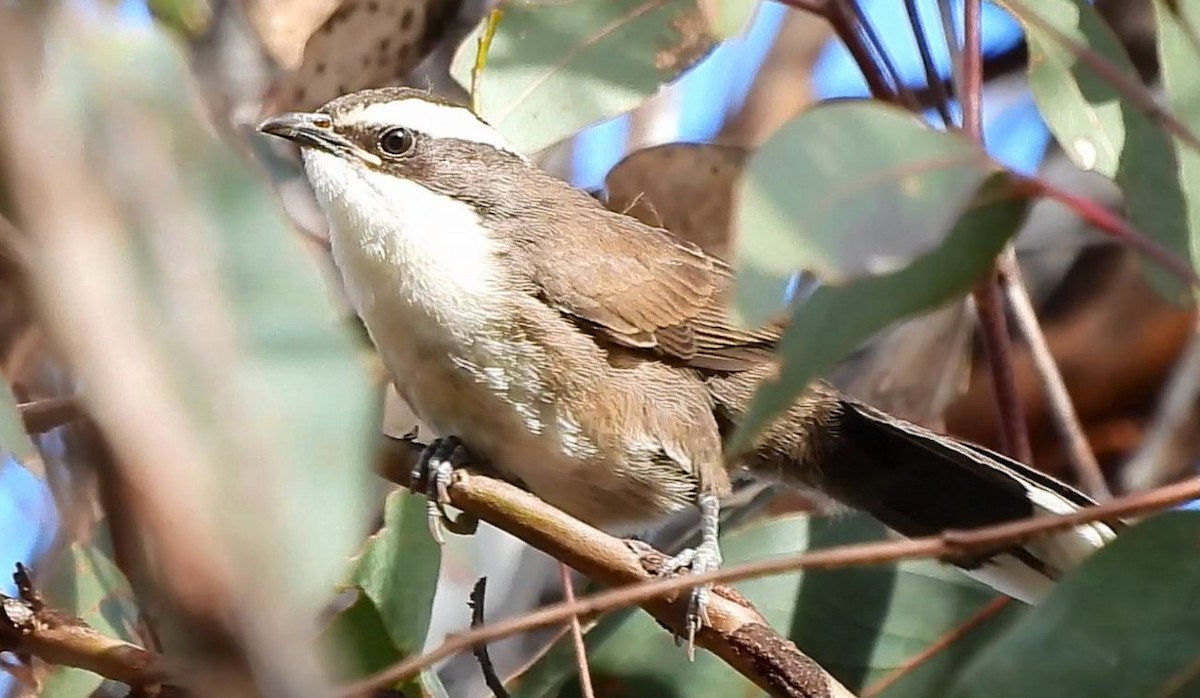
[434, 119]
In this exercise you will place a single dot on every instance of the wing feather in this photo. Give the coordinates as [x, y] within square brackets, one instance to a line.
[642, 287]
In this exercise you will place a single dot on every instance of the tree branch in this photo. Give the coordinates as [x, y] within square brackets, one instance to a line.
[41, 416]
[738, 633]
[1062, 410]
[28, 626]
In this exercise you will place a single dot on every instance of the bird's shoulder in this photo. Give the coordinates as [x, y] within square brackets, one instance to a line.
[642, 287]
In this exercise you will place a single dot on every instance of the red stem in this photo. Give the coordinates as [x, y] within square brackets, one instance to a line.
[989, 297]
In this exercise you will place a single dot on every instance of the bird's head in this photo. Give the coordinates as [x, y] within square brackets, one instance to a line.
[378, 150]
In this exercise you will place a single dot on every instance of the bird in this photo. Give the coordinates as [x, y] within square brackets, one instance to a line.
[592, 358]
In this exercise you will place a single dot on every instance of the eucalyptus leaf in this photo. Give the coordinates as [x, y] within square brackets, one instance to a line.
[1102, 129]
[846, 190]
[395, 578]
[227, 291]
[1179, 54]
[14, 440]
[1124, 624]
[556, 67]
[250, 366]
[835, 320]
[860, 624]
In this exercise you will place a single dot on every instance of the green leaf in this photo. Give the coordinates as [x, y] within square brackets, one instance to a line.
[838, 319]
[846, 190]
[861, 624]
[398, 571]
[1123, 624]
[557, 67]
[730, 17]
[396, 577]
[1100, 128]
[83, 581]
[1179, 53]
[14, 440]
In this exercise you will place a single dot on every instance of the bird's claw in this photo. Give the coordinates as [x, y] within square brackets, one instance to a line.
[435, 468]
[704, 558]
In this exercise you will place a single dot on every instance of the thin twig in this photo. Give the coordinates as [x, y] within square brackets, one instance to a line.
[475, 602]
[1151, 465]
[846, 27]
[904, 95]
[972, 69]
[29, 627]
[946, 12]
[41, 416]
[1062, 410]
[474, 492]
[581, 660]
[989, 298]
[933, 81]
[997, 344]
[1113, 225]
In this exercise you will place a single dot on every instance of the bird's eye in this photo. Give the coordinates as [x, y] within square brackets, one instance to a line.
[397, 141]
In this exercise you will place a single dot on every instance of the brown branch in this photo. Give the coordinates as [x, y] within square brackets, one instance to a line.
[1062, 410]
[738, 633]
[581, 660]
[30, 627]
[43, 415]
[595, 553]
[989, 297]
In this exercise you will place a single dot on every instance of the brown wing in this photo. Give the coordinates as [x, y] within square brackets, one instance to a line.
[642, 287]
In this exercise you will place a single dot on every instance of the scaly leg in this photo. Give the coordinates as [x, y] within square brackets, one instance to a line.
[705, 557]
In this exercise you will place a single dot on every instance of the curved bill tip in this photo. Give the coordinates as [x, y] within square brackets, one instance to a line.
[295, 125]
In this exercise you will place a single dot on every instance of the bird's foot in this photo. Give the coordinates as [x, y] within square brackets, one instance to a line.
[705, 557]
[435, 468]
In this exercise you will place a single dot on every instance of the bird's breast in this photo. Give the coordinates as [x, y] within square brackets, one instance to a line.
[476, 358]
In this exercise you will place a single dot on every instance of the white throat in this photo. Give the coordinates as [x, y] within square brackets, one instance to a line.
[408, 256]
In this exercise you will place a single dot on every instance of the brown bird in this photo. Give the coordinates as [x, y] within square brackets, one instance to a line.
[591, 357]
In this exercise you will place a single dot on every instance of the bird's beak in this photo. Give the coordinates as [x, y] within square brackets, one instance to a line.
[313, 130]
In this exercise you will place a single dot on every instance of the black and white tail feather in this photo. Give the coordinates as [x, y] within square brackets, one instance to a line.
[923, 483]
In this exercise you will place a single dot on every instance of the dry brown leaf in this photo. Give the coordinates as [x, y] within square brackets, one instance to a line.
[333, 48]
[686, 188]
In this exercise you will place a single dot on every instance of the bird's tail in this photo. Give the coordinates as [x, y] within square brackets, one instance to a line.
[921, 483]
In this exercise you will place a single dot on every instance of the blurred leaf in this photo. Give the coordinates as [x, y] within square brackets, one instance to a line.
[1102, 130]
[1124, 624]
[686, 188]
[352, 45]
[729, 17]
[837, 319]
[249, 364]
[1179, 54]
[861, 624]
[845, 190]
[13, 439]
[557, 67]
[396, 577]
[83, 581]
[189, 18]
